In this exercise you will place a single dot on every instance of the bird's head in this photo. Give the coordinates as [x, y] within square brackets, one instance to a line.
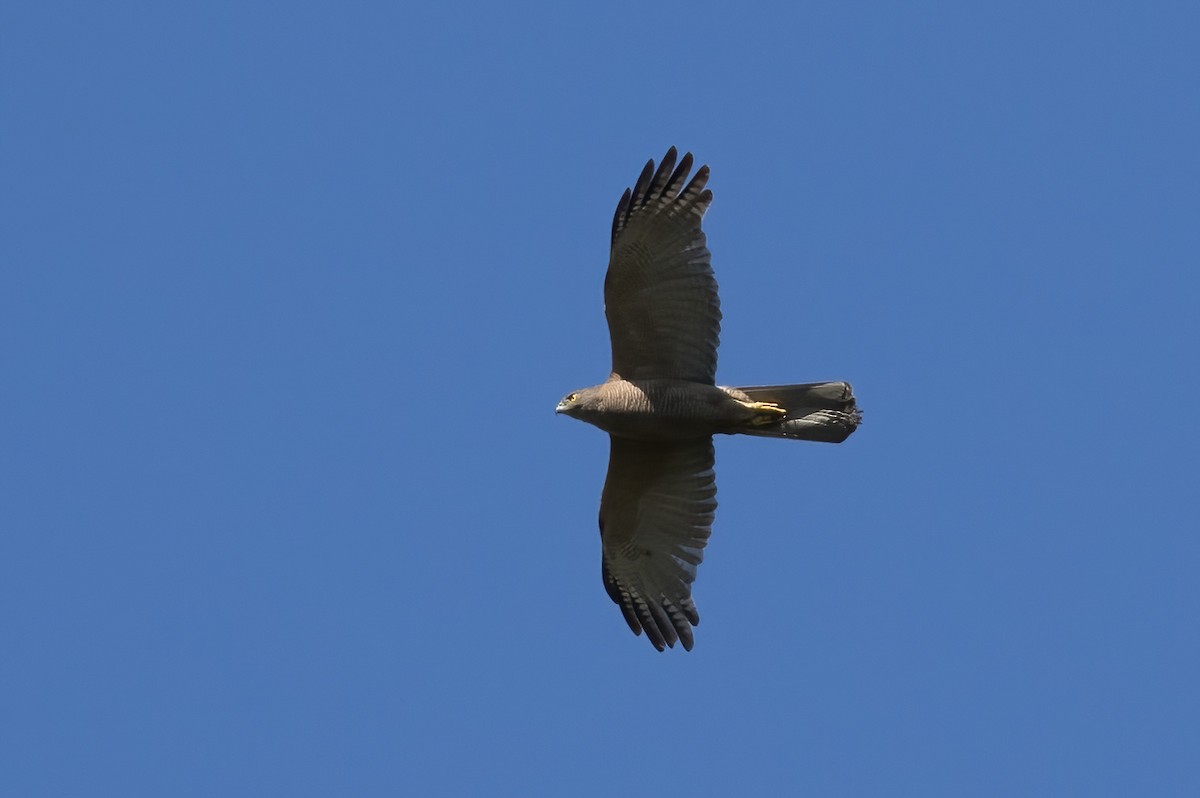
[576, 403]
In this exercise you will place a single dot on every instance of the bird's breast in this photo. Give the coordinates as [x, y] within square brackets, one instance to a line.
[663, 409]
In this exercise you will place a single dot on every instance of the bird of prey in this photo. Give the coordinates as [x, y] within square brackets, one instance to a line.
[661, 405]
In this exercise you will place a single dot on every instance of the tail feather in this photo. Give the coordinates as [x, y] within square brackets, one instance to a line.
[816, 411]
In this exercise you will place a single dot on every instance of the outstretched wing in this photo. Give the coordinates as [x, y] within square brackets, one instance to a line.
[660, 296]
[655, 518]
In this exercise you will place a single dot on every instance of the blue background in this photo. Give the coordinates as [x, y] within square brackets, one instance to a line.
[289, 292]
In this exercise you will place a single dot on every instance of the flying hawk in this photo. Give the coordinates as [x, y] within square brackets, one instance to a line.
[661, 405]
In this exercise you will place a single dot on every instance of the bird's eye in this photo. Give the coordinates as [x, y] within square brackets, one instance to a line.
[572, 397]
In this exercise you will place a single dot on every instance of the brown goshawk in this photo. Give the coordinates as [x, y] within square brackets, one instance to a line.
[661, 406]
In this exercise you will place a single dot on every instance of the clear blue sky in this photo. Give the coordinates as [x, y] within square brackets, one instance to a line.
[288, 294]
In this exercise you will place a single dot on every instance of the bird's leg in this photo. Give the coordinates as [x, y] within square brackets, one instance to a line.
[764, 412]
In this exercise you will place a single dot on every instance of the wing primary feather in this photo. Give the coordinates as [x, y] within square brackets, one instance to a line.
[693, 190]
[662, 175]
[665, 627]
[649, 623]
[619, 217]
[643, 183]
[680, 622]
[620, 597]
[630, 617]
[678, 176]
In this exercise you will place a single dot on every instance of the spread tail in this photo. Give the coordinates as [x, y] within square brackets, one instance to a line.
[816, 411]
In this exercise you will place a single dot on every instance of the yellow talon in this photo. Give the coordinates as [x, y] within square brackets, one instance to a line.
[765, 412]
